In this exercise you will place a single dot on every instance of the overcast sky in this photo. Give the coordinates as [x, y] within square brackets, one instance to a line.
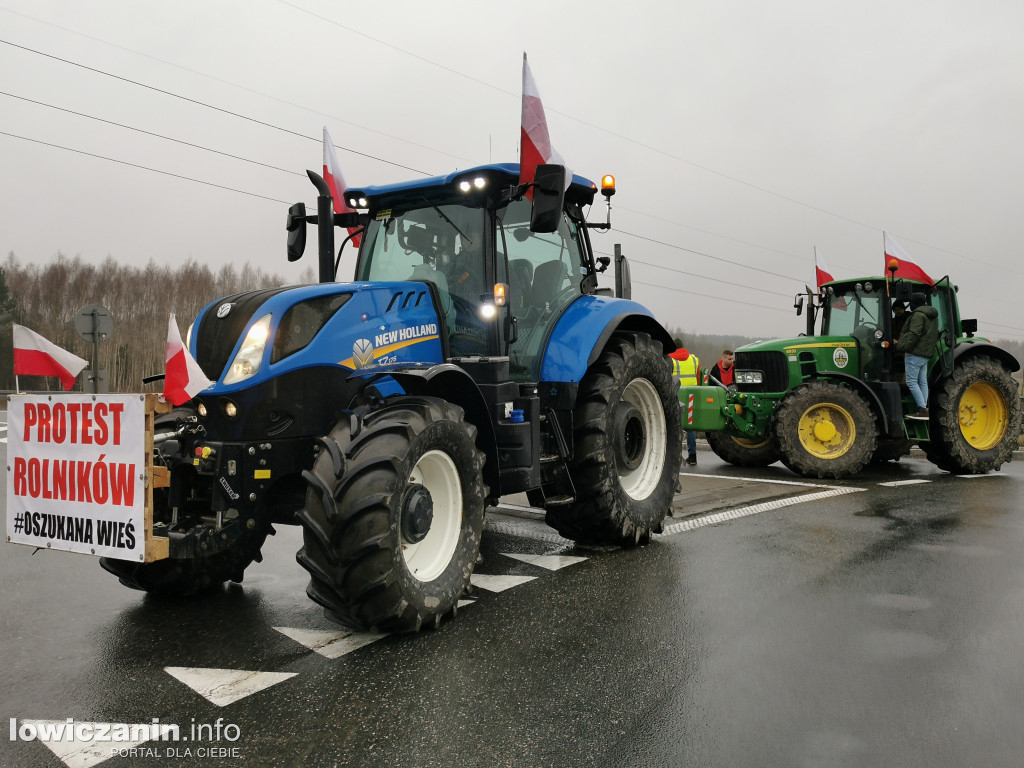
[742, 134]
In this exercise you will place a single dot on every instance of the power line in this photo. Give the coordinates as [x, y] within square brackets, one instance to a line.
[707, 255]
[151, 133]
[232, 84]
[142, 167]
[208, 106]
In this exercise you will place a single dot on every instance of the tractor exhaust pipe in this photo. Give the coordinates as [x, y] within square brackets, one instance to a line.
[324, 227]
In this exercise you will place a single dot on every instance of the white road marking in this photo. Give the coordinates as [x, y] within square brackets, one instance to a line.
[755, 509]
[498, 583]
[551, 562]
[896, 483]
[330, 644]
[226, 686]
[84, 754]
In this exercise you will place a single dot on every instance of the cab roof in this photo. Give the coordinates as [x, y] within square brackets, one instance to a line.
[498, 176]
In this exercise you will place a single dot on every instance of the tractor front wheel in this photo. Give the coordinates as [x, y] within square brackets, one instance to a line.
[976, 418]
[393, 516]
[824, 429]
[742, 451]
[627, 446]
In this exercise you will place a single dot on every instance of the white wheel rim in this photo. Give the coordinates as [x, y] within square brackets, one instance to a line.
[641, 482]
[427, 559]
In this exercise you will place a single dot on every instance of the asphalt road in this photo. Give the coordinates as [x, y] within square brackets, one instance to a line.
[777, 622]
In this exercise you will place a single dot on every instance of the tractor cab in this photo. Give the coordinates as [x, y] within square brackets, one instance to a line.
[500, 273]
[864, 309]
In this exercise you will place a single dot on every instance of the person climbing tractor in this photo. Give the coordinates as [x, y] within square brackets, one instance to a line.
[917, 342]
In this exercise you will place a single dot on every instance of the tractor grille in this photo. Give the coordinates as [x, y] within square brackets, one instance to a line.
[772, 364]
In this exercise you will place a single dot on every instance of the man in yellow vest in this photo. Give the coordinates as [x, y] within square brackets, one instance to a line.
[686, 370]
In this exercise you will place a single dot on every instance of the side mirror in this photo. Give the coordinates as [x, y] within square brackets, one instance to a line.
[548, 198]
[296, 226]
[799, 305]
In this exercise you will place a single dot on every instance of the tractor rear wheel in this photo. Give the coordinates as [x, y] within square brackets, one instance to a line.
[824, 429]
[627, 446]
[975, 418]
[743, 451]
[393, 516]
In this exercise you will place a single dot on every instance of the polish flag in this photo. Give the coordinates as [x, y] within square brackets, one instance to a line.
[821, 269]
[35, 356]
[534, 143]
[905, 268]
[183, 378]
[334, 179]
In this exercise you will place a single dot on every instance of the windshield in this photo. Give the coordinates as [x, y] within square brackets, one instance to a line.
[439, 244]
[851, 312]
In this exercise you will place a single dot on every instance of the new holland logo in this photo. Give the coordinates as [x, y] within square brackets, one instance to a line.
[224, 309]
[362, 353]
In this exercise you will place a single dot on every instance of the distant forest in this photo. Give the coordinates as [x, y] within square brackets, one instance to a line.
[46, 298]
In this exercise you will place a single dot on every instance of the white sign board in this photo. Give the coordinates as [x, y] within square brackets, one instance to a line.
[76, 473]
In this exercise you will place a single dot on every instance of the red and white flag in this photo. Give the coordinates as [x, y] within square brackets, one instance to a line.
[334, 179]
[821, 272]
[534, 142]
[35, 356]
[183, 378]
[905, 268]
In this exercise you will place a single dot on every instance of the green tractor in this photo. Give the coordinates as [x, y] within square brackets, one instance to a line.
[830, 401]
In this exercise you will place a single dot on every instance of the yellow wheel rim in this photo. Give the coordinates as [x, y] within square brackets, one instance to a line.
[827, 431]
[983, 416]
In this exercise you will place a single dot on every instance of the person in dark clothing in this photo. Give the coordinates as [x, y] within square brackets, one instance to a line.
[917, 343]
[723, 369]
[899, 318]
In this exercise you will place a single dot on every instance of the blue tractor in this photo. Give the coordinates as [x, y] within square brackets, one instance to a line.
[473, 356]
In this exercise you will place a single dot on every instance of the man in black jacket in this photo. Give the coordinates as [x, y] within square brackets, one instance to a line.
[917, 342]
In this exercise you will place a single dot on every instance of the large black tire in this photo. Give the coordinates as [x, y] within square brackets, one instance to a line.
[824, 429]
[742, 451]
[193, 576]
[975, 418]
[393, 516]
[627, 446]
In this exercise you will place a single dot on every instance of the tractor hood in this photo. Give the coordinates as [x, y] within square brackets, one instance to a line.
[249, 338]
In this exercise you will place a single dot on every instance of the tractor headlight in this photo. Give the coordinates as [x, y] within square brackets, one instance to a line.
[247, 362]
[749, 377]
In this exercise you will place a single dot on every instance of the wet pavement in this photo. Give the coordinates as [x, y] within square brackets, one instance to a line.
[777, 621]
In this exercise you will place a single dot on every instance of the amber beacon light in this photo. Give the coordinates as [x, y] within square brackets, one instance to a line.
[608, 185]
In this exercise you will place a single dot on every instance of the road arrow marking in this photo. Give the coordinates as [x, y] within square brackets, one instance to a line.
[498, 583]
[59, 737]
[895, 483]
[551, 562]
[226, 686]
[331, 645]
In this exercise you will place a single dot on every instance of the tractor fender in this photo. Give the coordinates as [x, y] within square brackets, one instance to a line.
[581, 333]
[452, 383]
[968, 349]
[890, 422]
